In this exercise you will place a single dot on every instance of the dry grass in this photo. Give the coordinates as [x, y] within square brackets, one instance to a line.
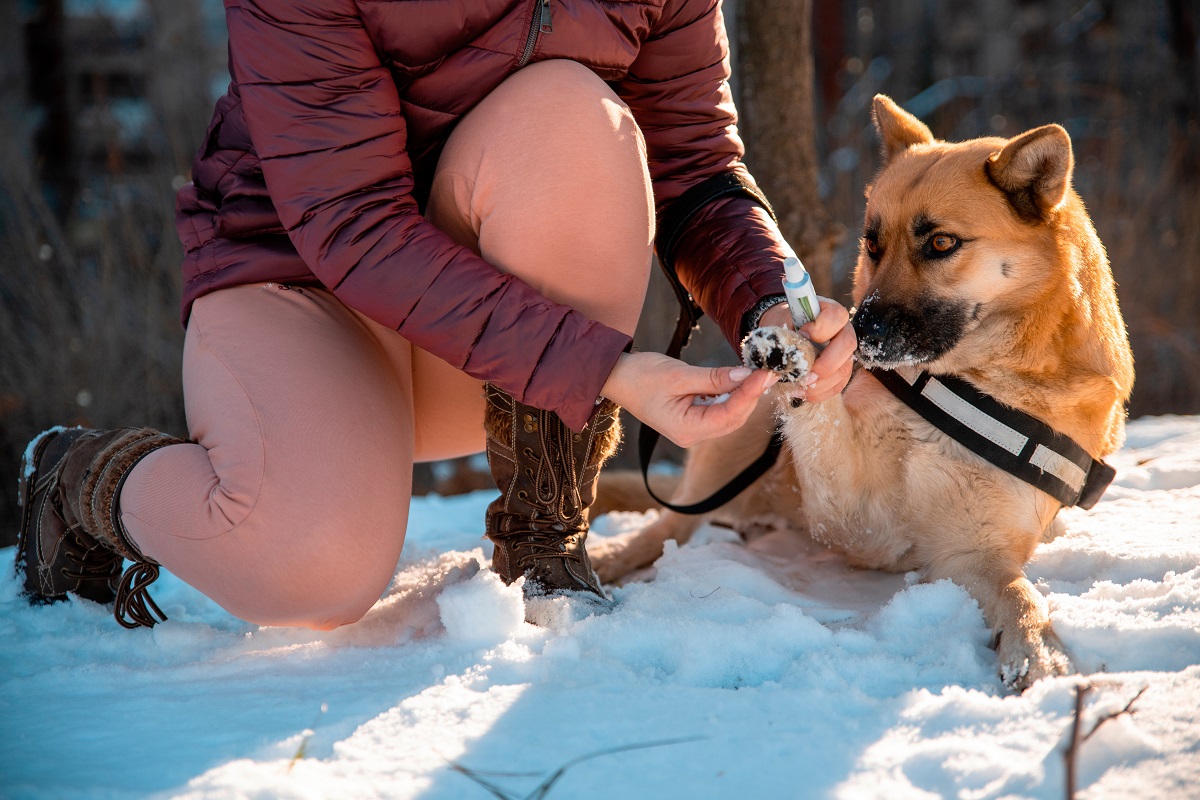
[1149, 225]
[89, 326]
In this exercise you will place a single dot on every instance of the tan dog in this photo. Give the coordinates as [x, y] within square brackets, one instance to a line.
[977, 260]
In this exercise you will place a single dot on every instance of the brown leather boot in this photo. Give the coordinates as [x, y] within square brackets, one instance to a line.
[71, 537]
[547, 476]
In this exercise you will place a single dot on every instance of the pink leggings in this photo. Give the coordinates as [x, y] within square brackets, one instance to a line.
[291, 507]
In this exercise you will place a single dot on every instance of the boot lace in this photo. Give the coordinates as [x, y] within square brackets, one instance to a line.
[133, 604]
[86, 558]
[87, 563]
[559, 513]
[531, 540]
[555, 480]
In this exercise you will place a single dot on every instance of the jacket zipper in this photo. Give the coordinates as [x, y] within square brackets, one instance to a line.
[541, 23]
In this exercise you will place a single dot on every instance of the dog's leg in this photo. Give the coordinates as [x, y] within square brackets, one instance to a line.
[841, 450]
[615, 557]
[1027, 647]
[710, 464]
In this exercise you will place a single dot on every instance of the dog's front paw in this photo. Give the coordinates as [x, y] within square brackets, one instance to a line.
[780, 350]
[1024, 662]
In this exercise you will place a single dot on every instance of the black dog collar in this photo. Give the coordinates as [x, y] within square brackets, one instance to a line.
[1012, 440]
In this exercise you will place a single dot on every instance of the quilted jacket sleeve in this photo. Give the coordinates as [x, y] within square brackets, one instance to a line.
[729, 255]
[325, 119]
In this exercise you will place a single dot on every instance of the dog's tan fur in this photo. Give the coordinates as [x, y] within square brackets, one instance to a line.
[869, 477]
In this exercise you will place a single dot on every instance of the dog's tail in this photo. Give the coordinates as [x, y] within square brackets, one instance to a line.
[624, 490]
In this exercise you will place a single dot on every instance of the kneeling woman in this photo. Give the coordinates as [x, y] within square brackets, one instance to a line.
[414, 234]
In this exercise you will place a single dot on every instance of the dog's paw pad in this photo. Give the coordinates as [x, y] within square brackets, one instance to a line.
[1025, 663]
[778, 350]
[1015, 676]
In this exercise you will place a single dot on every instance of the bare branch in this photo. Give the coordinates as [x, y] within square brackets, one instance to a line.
[1128, 709]
[1078, 737]
[540, 791]
[1081, 691]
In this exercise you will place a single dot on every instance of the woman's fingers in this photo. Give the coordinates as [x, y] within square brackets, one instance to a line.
[831, 371]
[726, 379]
[686, 404]
[830, 320]
[830, 386]
[704, 420]
[838, 352]
[738, 400]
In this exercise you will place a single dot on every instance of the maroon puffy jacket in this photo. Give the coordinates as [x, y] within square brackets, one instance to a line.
[319, 158]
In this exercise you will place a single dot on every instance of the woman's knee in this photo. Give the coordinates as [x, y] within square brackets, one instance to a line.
[573, 217]
[572, 104]
[567, 86]
[578, 128]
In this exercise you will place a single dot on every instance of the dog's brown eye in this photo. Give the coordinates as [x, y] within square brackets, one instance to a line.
[943, 243]
[872, 247]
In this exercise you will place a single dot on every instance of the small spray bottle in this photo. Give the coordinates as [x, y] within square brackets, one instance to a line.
[801, 296]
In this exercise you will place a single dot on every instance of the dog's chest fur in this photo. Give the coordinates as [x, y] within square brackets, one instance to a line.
[914, 493]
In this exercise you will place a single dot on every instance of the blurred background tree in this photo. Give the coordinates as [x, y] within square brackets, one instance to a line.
[106, 100]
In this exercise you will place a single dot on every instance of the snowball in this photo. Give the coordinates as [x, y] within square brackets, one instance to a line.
[483, 611]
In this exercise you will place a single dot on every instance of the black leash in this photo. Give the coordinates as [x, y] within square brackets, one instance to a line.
[670, 229]
[648, 440]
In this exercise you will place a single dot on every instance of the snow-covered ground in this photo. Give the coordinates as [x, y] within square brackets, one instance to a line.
[738, 672]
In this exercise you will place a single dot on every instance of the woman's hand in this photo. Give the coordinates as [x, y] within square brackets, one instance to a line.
[831, 372]
[675, 398]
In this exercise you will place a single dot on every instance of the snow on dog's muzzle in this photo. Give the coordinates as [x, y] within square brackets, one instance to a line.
[890, 334]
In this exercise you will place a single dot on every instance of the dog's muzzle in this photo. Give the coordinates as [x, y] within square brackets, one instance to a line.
[890, 334]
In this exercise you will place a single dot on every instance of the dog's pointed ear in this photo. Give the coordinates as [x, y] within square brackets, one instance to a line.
[898, 129]
[1034, 170]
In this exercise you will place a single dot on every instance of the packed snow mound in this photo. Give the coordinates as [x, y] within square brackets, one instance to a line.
[769, 670]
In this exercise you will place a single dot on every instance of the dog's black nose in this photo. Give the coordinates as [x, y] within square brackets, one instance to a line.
[889, 333]
[871, 327]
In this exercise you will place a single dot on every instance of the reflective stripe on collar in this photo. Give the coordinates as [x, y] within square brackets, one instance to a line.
[1012, 440]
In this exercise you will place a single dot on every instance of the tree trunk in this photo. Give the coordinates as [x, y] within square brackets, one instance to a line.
[775, 78]
[178, 78]
[50, 90]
